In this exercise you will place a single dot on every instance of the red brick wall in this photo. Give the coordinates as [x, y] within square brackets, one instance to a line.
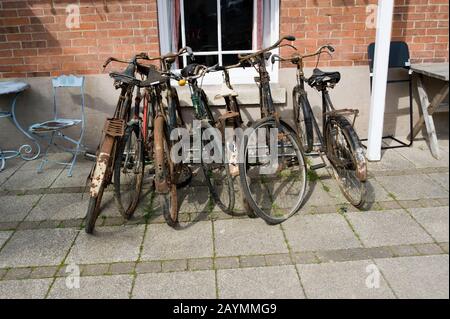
[423, 24]
[34, 40]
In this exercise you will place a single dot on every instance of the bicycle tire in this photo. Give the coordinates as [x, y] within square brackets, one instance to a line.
[127, 209]
[245, 179]
[359, 163]
[164, 171]
[303, 120]
[93, 211]
[227, 206]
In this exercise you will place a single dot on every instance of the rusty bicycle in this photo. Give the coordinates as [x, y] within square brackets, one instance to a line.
[121, 148]
[339, 140]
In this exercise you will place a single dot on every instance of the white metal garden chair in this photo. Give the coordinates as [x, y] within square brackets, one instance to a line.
[54, 129]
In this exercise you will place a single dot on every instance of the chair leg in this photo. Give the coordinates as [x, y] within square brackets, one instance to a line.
[2, 161]
[72, 164]
[74, 158]
[45, 157]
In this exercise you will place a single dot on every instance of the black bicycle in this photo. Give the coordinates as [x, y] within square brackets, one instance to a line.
[339, 141]
[272, 164]
[210, 153]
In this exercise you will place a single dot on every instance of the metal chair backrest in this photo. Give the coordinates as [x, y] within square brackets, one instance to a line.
[398, 57]
[68, 81]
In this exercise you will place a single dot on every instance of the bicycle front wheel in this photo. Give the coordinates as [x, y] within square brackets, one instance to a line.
[93, 211]
[129, 172]
[216, 170]
[273, 171]
[347, 159]
[165, 183]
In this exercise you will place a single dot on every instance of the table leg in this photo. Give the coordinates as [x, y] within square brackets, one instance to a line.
[427, 115]
[25, 149]
[2, 160]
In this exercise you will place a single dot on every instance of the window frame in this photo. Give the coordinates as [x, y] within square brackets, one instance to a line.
[238, 75]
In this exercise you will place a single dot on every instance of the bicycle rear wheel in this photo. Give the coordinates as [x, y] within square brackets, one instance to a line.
[129, 172]
[346, 154]
[303, 120]
[273, 174]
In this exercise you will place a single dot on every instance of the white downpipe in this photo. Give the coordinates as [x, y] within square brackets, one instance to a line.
[380, 70]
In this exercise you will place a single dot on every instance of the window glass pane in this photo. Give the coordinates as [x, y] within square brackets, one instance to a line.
[230, 59]
[201, 25]
[237, 24]
[208, 60]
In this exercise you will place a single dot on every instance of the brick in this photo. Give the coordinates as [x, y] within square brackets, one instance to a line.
[33, 29]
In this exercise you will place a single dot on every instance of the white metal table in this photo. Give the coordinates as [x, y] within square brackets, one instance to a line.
[429, 106]
[25, 151]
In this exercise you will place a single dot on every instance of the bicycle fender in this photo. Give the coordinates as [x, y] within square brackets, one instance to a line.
[99, 174]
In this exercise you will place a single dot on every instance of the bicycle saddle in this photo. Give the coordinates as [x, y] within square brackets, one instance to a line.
[320, 78]
[126, 76]
[153, 78]
[192, 69]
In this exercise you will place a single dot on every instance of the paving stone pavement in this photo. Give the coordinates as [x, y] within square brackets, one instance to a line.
[328, 250]
[280, 282]
[342, 280]
[417, 277]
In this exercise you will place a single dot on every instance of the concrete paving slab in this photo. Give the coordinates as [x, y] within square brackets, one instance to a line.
[163, 242]
[108, 206]
[435, 220]
[30, 179]
[320, 197]
[341, 280]
[60, 207]
[387, 228]
[103, 287]
[375, 192]
[280, 282]
[247, 237]
[421, 157]
[109, 244]
[191, 200]
[39, 247]
[179, 285]
[412, 187]
[79, 176]
[12, 165]
[442, 179]
[424, 277]
[319, 232]
[60, 157]
[15, 208]
[4, 235]
[24, 289]
[391, 161]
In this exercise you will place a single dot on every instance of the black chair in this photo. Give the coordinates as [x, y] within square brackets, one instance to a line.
[399, 58]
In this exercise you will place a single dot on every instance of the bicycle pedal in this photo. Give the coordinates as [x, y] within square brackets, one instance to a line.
[318, 166]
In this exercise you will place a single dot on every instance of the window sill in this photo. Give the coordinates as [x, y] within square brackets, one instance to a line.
[248, 94]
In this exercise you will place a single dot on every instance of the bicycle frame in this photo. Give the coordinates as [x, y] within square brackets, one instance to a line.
[201, 110]
[328, 108]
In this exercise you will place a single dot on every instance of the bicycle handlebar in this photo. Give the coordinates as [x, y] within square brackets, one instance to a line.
[144, 56]
[243, 58]
[140, 56]
[296, 58]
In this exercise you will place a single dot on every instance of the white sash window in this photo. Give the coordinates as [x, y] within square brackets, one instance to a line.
[219, 30]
